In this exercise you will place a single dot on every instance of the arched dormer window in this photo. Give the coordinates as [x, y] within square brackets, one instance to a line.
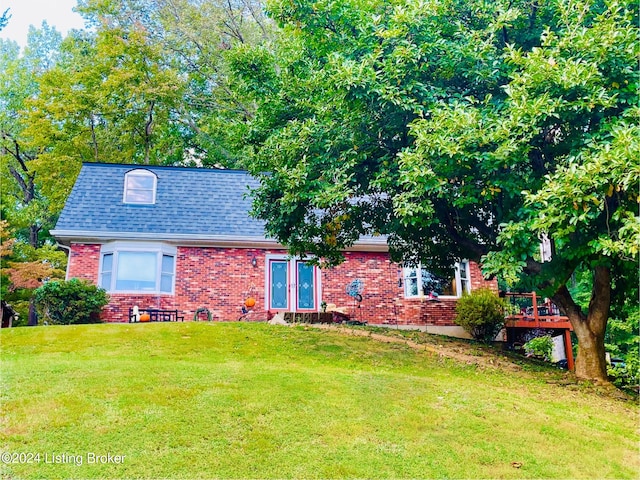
[140, 187]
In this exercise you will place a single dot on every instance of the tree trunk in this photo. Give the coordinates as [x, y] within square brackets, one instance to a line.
[590, 329]
[33, 316]
[34, 230]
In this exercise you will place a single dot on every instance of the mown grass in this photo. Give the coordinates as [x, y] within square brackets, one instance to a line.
[205, 400]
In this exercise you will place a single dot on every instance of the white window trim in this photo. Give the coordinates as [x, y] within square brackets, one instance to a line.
[159, 249]
[140, 172]
[458, 279]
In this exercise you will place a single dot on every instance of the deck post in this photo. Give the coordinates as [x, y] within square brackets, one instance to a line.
[535, 310]
[568, 349]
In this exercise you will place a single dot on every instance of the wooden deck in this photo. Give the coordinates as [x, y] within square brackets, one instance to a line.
[534, 314]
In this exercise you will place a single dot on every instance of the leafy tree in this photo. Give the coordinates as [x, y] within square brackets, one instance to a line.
[460, 130]
[622, 337]
[147, 86]
[24, 268]
[26, 210]
[23, 202]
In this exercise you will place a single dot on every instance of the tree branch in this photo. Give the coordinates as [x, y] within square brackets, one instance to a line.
[468, 244]
[567, 305]
[17, 154]
[27, 188]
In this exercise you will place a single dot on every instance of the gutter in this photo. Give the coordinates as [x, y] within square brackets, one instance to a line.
[378, 244]
[68, 249]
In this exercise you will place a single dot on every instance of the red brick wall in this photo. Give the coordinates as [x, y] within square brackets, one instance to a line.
[220, 279]
[84, 262]
[383, 297]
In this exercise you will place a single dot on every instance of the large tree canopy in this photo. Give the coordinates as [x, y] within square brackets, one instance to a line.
[147, 83]
[460, 129]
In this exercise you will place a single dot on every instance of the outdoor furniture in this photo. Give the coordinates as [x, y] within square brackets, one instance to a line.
[156, 315]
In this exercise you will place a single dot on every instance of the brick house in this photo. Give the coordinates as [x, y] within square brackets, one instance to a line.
[182, 238]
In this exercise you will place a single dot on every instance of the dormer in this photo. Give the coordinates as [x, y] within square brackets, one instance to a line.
[140, 187]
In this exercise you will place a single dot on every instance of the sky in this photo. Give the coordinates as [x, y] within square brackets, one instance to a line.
[23, 13]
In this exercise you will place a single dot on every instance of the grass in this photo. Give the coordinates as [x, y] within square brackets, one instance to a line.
[239, 400]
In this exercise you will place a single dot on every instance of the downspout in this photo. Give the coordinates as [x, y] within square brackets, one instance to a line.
[68, 249]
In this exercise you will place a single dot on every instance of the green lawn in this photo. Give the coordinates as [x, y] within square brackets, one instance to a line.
[238, 400]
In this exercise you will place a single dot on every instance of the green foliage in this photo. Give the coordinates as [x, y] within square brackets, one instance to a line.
[70, 302]
[23, 183]
[623, 341]
[540, 347]
[458, 129]
[23, 268]
[481, 314]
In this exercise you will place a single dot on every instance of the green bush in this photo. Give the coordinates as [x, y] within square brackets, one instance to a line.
[481, 314]
[540, 347]
[70, 302]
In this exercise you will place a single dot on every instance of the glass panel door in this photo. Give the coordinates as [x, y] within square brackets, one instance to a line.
[279, 284]
[306, 292]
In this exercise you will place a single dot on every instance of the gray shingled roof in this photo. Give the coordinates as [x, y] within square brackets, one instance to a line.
[189, 201]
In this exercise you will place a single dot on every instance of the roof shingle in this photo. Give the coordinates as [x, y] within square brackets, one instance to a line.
[189, 201]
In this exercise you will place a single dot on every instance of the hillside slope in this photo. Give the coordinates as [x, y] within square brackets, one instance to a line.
[239, 400]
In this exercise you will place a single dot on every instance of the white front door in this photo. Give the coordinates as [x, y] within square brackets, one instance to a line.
[292, 285]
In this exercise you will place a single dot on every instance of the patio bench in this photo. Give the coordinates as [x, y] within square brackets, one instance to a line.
[157, 315]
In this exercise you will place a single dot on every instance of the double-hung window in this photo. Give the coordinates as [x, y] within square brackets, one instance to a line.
[420, 282]
[138, 268]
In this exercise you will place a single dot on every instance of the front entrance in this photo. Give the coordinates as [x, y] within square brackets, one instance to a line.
[292, 285]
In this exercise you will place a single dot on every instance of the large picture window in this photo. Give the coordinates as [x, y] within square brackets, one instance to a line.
[148, 268]
[420, 282]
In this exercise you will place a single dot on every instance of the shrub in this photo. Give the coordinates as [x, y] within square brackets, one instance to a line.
[540, 347]
[481, 314]
[70, 302]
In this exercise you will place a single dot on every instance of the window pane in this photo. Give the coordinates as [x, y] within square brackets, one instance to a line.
[437, 284]
[167, 264]
[279, 285]
[306, 297]
[107, 262]
[449, 287]
[430, 282]
[107, 267]
[166, 283]
[139, 188]
[465, 284]
[105, 282]
[410, 282]
[136, 271]
[143, 182]
[463, 270]
[139, 196]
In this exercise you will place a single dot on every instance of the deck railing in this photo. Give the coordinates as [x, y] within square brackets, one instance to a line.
[533, 313]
